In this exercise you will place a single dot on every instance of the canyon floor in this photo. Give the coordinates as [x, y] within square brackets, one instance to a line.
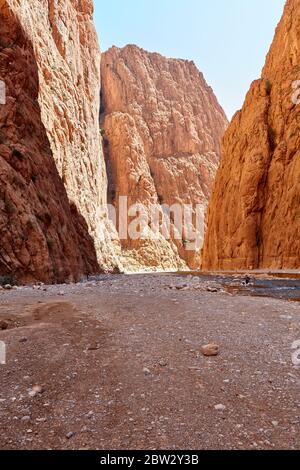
[116, 363]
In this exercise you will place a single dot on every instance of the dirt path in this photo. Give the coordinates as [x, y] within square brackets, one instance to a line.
[119, 366]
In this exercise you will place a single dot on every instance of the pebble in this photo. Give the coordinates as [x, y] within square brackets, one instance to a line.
[163, 363]
[26, 418]
[70, 435]
[220, 407]
[36, 390]
[146, 371]
[210, 350]
[212, 289]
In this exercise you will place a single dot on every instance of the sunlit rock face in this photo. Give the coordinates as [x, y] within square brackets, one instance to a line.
[53, 192]
[254, 218]
[162, 126]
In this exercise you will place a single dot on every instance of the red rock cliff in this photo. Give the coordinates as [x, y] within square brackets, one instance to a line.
[254, 215]
[163, 127]
[53, 180]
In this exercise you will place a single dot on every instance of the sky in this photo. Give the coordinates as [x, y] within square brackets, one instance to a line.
[227, 39]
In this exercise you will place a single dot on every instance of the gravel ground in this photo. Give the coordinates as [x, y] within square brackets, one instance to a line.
[116, 363]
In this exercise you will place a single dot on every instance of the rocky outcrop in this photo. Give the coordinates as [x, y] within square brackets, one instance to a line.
[53, 218]
[162, 126]
[254, 218]
[42, 236]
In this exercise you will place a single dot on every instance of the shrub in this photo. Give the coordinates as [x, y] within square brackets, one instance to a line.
[268, 87]
[48, 218]
[16, 153]
[10, 207]
[50, 243]
[7, 279]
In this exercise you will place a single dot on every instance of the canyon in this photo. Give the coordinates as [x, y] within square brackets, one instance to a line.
[162, 126]
[160, 144]
[188, 360]
[253, 218]
[80, 130]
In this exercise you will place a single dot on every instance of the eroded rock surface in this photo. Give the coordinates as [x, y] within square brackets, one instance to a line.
[254, 218]
[162, 126]
[53, 179]
[43, 237]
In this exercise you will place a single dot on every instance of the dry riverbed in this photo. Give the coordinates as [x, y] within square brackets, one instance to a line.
[116, 363]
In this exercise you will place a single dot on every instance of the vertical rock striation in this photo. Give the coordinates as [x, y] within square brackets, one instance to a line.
[163, 127]
[53, 180]
[254, 217]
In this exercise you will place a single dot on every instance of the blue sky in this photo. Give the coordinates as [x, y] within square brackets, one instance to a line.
[227, 39]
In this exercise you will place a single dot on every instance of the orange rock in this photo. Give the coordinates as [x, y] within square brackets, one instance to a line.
[210, 350]
[162, 126]
[253, 218]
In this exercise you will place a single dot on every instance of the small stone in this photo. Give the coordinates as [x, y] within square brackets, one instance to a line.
[70, 435]
[36, 390]
[146, 371]
[7, 287]
[23, 340]
[93, 347]
[163, 363]
[210, 350]
[26, 418]
[212, 289]
[275, 424]
[220, 407]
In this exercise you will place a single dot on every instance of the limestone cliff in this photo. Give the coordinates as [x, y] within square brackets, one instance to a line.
[162, 126]
[254, 216]
[53, 180]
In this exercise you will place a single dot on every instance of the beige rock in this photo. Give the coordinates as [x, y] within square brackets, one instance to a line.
[253, 218]
[210, 350]
[162, 127]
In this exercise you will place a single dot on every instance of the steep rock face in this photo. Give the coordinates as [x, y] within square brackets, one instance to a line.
[67, 53]
[50, 64]
[42, 236]
[254, 218]
[162, 127]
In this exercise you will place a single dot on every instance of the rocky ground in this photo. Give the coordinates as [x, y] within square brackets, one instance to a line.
[116, 363]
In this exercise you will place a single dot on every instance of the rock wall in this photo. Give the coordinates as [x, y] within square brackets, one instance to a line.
[254, 218]
[162, 126]
[42, 236]
[50, 140]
